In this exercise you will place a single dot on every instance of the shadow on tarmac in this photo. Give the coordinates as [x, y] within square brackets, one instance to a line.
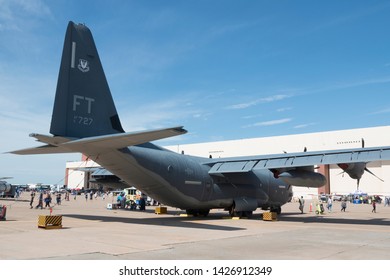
[158, 221]
[324, 219]
[172, 219]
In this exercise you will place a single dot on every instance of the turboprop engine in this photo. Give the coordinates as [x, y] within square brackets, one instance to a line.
[303, 178]
[4, 187]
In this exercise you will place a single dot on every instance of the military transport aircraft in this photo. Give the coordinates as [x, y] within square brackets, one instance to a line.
[85, 120]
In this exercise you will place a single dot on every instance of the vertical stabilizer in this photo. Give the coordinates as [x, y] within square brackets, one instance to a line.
[83, 104]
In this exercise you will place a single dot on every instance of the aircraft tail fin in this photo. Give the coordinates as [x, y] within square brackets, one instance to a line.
[83, 104]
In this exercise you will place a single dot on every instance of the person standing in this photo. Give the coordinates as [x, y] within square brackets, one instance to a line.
[301, 204]
[58, 199]
[47, 200]
[343, 205]
[373, 206]
[40, 201]
[329, 206]
[32, 199]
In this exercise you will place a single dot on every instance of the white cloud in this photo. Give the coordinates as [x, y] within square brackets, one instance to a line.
[280, 110]
[381, 112]
[270, 123]
[159, 114]
[304, 125]
[17, 15]
[255, 102]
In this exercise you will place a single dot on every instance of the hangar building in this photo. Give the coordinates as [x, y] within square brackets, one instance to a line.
[78, 174]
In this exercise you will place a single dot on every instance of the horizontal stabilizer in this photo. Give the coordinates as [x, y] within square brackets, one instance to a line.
[122, 140]
[112, 141]
[46, 149]
[53, 147]
[49, 139]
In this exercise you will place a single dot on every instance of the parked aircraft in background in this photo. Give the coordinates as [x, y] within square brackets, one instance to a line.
[4, 186]
[85, 120]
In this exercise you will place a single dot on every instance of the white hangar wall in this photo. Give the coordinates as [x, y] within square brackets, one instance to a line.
[77, 173]
[330, 140]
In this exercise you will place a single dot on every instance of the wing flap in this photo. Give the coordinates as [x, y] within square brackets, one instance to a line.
[232, 167]
[246, 164]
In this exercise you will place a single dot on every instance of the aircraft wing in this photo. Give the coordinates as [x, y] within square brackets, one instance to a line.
[295, 160]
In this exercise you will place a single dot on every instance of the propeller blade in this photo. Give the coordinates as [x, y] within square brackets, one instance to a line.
[372, 173]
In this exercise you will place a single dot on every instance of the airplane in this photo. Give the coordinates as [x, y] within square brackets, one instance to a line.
[85, 120]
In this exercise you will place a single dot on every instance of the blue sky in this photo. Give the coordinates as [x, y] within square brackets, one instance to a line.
[222, 69]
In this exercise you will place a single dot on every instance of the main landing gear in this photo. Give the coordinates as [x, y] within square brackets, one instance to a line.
[276, 209]
[195, 213]
[240, 214]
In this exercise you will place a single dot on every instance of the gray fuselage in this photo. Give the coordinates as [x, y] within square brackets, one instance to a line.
[183, 181]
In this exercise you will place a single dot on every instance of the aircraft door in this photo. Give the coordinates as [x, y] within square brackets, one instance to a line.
[207, 188]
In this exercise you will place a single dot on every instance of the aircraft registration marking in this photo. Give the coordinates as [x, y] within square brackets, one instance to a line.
[82, 120]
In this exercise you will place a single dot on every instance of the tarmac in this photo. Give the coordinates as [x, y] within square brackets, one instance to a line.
[90, 231]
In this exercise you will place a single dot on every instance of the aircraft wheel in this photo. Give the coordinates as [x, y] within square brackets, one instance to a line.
[248, 214]
[231, 211]
[277, 210]
[234, 213]
[204, 213]
[192, 212]
[238, 214]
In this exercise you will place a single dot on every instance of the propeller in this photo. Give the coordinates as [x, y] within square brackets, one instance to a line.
[373, 174]
[356, 170]
[366, 169]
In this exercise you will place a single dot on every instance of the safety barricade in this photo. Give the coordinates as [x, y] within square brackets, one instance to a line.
[160, 210]
[50, 222]
[270, 216]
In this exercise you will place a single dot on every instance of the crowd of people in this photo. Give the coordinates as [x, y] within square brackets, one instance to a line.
[45, 199]
[320, 209]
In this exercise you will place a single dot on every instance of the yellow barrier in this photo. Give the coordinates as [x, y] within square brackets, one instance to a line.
[50, 222]
[160, 210]
[270, 216]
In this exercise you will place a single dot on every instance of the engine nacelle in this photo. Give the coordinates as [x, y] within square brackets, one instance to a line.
[354, 170]
[4, 187]
[303, 178]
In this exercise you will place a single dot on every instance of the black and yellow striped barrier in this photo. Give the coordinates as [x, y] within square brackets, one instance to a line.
[50, 222]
